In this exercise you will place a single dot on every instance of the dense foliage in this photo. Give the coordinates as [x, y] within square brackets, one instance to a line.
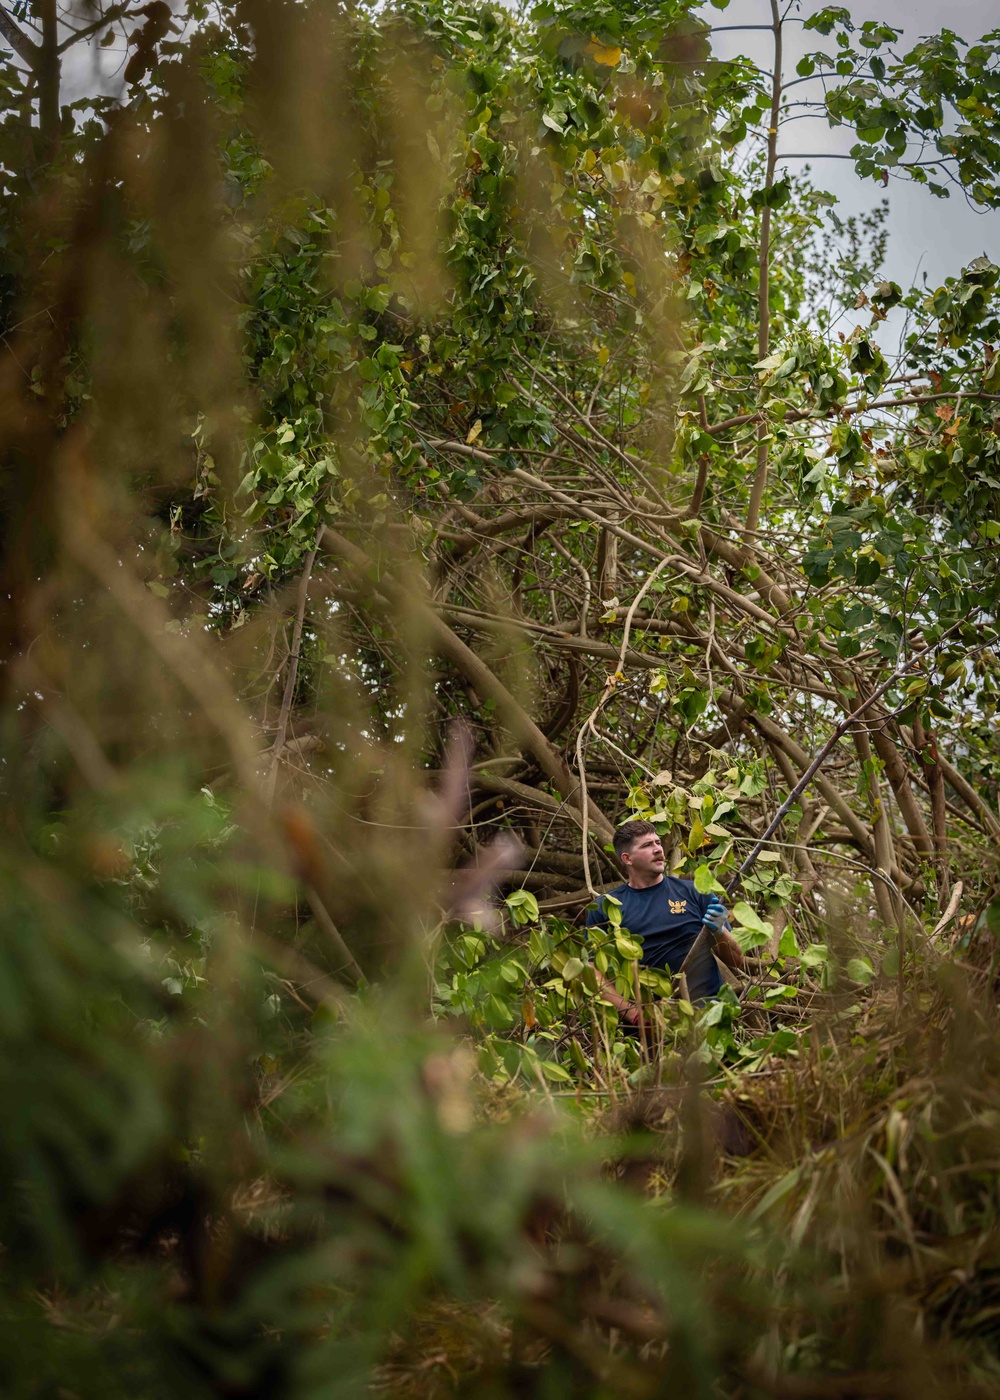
[432, 433]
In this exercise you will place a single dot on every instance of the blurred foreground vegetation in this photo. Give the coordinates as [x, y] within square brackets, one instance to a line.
[429, 435]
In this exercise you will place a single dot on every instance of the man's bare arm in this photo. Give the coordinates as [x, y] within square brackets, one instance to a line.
[729, 951]
[622, 1005]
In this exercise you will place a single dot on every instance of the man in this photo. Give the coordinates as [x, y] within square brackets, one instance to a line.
[668, 915]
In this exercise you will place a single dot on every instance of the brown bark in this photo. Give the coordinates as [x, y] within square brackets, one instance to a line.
[447, 644]
[800, 857]
[607, 565]
[776, 735]
[927, 749]
[763, 273]
[291, 677]
[47, 72]
[970, 796]
[457, 546]
[25, 48]
[899, 780]
[885, 853]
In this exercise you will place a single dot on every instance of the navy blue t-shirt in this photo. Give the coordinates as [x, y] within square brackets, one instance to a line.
[667, 917]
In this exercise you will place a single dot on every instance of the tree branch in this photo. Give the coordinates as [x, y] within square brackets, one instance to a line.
[112, 16]
[763, 284]
[449, 645]
[839, 731]
[293, 672]
[26, 49]
[802, 415]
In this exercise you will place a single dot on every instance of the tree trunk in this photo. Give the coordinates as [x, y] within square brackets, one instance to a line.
[607, 565]
[899, 779]
[48, 74]
[764, 281]
[885, 855]
[927, 748]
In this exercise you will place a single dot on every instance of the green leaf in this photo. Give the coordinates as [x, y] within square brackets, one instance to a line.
[628, 947]
[714, 1013]
[787, 947]
[779, 993]
[571, 968]
[860, 970]
[750, 919]
[523, 907]
[705, 882]
[749, 939]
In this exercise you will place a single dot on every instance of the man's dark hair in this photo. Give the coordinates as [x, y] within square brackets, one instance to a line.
[628, 834]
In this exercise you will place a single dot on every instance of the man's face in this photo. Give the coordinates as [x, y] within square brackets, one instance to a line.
[645, 856]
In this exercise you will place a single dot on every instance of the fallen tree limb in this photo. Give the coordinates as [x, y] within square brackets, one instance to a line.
[446, 643]
[899, 780]
[565, 641]
[281, 733]
[816, 764]
[969, 795]
[831, 795]
[459, 545]
[950, 911]
[588, 724]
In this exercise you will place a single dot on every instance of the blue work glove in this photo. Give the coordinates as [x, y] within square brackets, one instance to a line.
[716, 915]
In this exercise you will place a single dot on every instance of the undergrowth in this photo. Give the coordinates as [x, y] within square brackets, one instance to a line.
[856, 1180]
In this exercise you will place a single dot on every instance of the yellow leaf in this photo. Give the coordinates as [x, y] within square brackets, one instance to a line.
[603, 53]
[474, 431]
[697, 838]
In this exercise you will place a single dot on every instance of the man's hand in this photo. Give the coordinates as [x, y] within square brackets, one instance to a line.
[716, 916]
[627, 1010]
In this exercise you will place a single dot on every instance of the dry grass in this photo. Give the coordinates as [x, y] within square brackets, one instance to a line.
[865, 1175]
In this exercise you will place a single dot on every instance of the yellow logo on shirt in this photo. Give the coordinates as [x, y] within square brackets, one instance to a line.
[678, 906]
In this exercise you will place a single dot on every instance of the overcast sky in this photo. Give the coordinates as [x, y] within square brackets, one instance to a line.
[938, 236]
